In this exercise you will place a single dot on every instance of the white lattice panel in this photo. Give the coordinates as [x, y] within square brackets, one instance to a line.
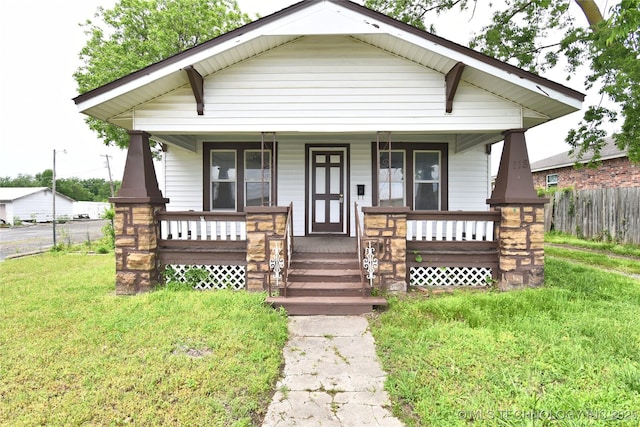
[210, 277]
[449, 276]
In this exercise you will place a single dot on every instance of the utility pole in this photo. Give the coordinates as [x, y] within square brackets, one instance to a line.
[106, 156]
[54, 196]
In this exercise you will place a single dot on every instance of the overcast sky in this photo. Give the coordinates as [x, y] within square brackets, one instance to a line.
[39, 44]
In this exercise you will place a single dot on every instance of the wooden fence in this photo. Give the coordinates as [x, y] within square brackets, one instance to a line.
[603, 214]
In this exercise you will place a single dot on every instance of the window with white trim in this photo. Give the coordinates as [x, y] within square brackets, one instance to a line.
[552, 181]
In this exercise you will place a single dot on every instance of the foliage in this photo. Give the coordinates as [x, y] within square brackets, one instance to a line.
[481, 358]
[109, 230]
[138, 33]
[73, 354]
[91, 189]
[540, 34]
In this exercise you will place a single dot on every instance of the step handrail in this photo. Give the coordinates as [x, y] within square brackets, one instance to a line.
[280, 265]
[361, 247]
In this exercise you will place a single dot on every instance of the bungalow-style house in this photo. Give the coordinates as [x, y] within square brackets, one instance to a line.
[321, 123]
[33, 204]
[614, 170]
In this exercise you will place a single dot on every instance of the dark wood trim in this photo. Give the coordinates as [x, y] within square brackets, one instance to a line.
[197, 85]
[139, 182]
[409, 148]
[455, 215]
[347, 185]
[194, 216]
[205, 257]
[514, 182]
[452, 79]
[239, 148]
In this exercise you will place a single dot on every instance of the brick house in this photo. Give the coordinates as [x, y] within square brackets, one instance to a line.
[328, 122]
[614, 171]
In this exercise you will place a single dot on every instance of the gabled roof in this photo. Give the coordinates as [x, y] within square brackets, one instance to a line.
[10, 194]
[609, 151]
[542, 99]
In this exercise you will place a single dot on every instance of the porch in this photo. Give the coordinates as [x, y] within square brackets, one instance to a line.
[394, 248]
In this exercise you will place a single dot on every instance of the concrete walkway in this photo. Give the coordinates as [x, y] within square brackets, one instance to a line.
[332, 376]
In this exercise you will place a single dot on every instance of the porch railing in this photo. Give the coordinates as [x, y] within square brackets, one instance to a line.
[202, 226]
[452, 248]
[206, 247]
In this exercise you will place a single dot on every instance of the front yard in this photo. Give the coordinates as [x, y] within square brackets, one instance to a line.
[567, 354]
[72, 353]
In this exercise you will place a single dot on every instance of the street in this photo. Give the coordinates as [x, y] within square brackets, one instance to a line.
[39, 237]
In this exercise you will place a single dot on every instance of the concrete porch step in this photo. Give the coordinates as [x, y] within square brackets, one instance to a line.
[337, 306]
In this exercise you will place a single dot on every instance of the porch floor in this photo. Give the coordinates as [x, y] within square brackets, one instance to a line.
[324, 244]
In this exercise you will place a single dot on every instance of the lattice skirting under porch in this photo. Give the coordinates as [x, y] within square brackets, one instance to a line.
[449, 276]
[208, 277]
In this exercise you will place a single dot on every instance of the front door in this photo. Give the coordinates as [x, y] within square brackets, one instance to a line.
[327, 185]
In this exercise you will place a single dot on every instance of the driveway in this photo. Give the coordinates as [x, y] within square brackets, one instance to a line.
[39, 237]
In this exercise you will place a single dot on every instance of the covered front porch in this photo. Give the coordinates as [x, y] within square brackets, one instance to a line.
[393, 247]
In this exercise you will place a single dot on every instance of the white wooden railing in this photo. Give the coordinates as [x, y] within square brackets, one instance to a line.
[452, 226]
[202, 226]
[452, 248]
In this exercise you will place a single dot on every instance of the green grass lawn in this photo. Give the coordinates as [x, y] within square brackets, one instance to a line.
[72, 353]
[569, 351]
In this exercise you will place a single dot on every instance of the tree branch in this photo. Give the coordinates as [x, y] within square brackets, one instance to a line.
[591, 11]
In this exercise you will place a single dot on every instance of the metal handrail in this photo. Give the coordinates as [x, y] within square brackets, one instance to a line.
[281, 265]
[288, 233]
[360, 248]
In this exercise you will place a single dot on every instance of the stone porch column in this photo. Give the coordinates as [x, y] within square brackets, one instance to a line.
[389, 227]
[263, 222]
[521, 229]
[136, 228]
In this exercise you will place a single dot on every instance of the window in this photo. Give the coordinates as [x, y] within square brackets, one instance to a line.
[427, 180]
[412, 174]
[223, 180]
[237, 175]
[391, 179]
[257, 178]
[552, 181]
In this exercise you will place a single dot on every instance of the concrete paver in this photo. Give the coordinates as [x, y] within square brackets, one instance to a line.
[331, 377]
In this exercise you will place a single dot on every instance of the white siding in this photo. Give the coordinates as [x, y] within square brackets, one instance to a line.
[183, 179]
[39, 207]
[469, 180]
[291, 181]
[468, 175]
[328, 84]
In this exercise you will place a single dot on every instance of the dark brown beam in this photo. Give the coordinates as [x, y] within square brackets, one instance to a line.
[452, 79]
[197, 85]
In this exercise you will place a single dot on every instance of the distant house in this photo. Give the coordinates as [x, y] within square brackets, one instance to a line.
[32, 204]
[615, 171]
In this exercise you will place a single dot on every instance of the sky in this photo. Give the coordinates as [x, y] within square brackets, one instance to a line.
[39, 45]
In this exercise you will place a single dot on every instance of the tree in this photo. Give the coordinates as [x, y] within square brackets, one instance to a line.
[138, 33]
[522, 31]
[92, 189]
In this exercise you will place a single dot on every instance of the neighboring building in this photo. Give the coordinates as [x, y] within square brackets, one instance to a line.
[318, 106]
[90, 210]
[33, 204]
[560, 171]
